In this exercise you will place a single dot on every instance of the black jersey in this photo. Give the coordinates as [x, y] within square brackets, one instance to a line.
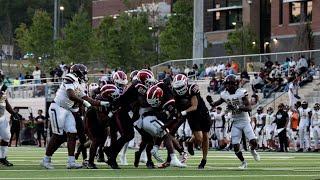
[184, 102]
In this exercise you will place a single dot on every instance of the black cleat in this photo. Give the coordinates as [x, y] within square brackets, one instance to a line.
[202, 164]
[5, 162]
[137, 155]
[150, 165]
[190, 148]
[100, 159]
[91, 166]
[309, 150]
[300, 150]
[113, 164]
[315, 150]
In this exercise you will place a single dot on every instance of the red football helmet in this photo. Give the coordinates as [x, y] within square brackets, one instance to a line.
[180, 84]
[109, 90]
[146, 77]
[154, 95]
[120, 80]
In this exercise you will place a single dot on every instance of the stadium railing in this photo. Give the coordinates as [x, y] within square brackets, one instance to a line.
[251, 62]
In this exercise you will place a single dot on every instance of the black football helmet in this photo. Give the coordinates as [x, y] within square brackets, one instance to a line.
[80, 71]
[231, 83]
[260, 110]
[316, 107]
[304, 104]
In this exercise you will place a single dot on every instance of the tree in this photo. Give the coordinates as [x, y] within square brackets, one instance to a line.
[126, 42]
[38, 37]
[176, 39]
[242, 41]
[77, 44]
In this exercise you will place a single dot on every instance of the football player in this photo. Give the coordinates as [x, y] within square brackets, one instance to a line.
[195, 111]
[270, 128]
[305, 114]
[5, 134]
[219, 128]
[68, 98]
[315, 123]
[237, 101]
[259, 124]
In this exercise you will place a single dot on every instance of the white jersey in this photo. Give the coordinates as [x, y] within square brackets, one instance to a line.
[236, 99]
[218, 120]
[269, 119]
[304, 113]
[62, 99]
[259, 118]
[315, 119]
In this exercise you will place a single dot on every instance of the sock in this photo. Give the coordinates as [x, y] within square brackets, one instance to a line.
[173, 156]
[3, 151]
[240, 156]
[71, 159]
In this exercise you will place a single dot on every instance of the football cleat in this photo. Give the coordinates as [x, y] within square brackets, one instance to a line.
[244, 165]
[202, 164]
[73, 165]
[123, 160]
[5, 162]
[183, 157]
[255, 155]
[156, 155]
[91, 166]
[113, 164]
[300, 150]
[150, 165]
[176, 163]
[46, 164]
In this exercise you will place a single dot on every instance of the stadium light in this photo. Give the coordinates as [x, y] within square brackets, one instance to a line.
[253, 43]
[61, 8]
[150, 28]
[234, 23]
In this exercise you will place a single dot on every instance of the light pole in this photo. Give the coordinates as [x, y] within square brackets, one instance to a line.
[155, 34]
[61, 8]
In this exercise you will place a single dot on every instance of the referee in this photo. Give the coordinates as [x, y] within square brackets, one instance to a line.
[281, 121]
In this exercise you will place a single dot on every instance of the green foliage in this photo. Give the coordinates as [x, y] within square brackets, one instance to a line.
[38, 37]
[240, 41]
[176, 39]
[126, 42]
[76, 45]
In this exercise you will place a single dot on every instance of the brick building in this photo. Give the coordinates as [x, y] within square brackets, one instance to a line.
[222, 16]
[288, 17]
[102, 8]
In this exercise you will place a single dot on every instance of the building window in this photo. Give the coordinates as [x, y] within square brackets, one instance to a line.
[226, 13]
[280, 11]
[300, 11]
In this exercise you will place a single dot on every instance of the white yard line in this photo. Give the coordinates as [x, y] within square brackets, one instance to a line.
[148, 177]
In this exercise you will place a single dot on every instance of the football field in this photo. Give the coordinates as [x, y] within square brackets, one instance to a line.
[221, 165]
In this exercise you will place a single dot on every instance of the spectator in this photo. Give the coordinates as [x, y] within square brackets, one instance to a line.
[37, 75]
[16, 82]
[15, 126]
[281, 120]
[257, 83]
[213, 85]
[244, 77]
[40, 121]
[269, 88]
[62, 65]
[234, 66]
[254, 99]
[221, 67]
[268, 65]
[27, 77]
[302, 65]
[21, 78]
[292, 63]
[293, 91]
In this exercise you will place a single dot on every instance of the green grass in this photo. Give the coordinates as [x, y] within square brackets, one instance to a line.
[221, 165]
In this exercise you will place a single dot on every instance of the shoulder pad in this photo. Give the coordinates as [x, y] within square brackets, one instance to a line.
[194, 89]
[70, 78]
[168, 103]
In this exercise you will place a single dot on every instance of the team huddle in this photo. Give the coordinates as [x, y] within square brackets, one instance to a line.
[105, 116]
